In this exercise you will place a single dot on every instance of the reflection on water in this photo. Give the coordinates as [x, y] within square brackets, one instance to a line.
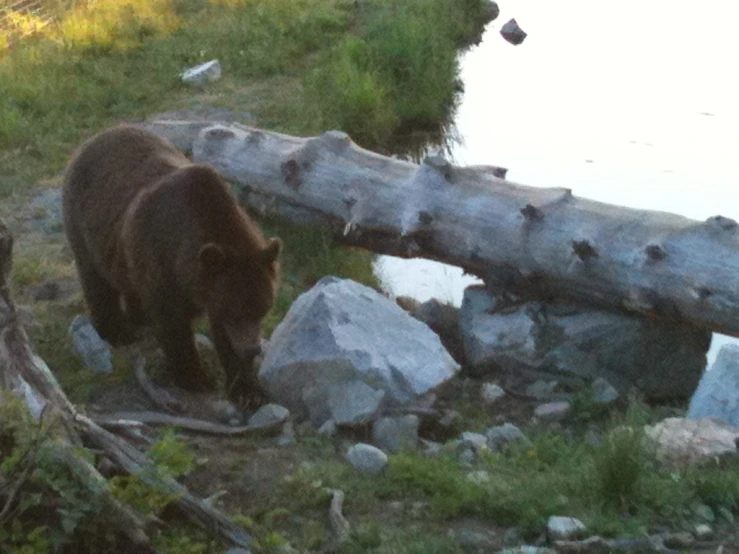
[635, 105]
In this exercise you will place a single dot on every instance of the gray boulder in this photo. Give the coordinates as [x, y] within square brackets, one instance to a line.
[718, 391]
[367, 458]
[443, 319]
[577, 344]
[501, 436]
[396, 433]
[343, 339]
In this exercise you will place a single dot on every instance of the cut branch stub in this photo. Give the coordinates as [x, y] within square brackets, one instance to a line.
[532, 213]
[336, 140]
[584, 249]
[655, 252]
[721, 223]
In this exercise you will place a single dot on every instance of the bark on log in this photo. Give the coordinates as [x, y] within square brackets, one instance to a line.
[27, 376]
[536, 241]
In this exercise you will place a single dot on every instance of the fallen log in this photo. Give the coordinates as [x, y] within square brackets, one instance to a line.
[27, 376]
[537, 242]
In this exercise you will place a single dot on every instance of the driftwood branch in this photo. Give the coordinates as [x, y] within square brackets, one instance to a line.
[534, 241]
[27, 376]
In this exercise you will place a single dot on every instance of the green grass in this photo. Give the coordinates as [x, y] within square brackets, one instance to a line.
[616, 488]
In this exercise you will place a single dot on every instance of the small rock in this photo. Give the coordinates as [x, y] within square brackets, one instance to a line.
[498, 438]
[237, 551]
[269, 413]
[703, 532]
[704, 512]
[603, 391]
[392, 434]
[367, 458]
[202, 74]
[328, 429]
[512, 32]
[431, 448]
[475, 441]
[681, 540]
[491, 393]
[479, 477]
[467, 456]
[564, 528]
[227, 413]
[474, 539]
[553, 411]
[88, 344]
[542, 389]
[285, 440]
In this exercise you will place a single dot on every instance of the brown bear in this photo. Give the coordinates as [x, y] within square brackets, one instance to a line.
[158, 240]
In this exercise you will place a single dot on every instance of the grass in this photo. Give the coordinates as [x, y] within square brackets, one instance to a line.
[616, 488]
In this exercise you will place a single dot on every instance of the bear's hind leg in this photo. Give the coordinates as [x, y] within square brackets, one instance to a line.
[103, 301]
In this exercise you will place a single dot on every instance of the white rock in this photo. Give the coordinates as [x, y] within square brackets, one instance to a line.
[342, 332]
[94, 350]
[475, 441]
[685, 441]
[603, 391]
[478, 477]
[269, 413]
[564, 528]
[553, 411]
[202, 74]
[328, 429]
[367, 458]
[717, 394]
[500, 437]
[491, 393]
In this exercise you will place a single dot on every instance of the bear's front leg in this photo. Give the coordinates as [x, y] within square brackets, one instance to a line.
[176, 338]
[242, 385]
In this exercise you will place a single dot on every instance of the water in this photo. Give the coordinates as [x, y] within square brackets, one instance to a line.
[633, 103]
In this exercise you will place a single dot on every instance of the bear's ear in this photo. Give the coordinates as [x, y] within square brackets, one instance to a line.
[272, 251]
[212, 258]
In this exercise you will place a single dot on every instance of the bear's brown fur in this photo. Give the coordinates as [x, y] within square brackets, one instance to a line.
[159, 240]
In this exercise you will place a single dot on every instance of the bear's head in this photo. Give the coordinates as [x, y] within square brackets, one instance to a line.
[239, 291]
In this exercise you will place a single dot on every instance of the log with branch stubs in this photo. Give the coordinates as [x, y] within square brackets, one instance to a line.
[534, 242]
[27, 376]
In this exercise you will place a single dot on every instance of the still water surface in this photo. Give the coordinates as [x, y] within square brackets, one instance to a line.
[634, 103]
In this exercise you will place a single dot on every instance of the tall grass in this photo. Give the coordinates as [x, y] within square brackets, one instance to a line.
[398, 75]
[109, 60]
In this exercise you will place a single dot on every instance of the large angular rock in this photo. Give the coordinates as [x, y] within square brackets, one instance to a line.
[341, 333]
[681, 441]
[718, 391]
[555, 340]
